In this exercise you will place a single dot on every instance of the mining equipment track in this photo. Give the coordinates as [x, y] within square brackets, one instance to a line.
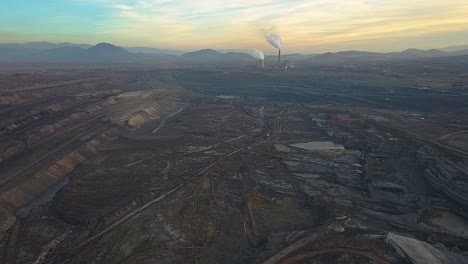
[54, 85]
[72, 251]
[7, 179]
[106, 113]
[164, 121]
[25, 104]
[45, 119]
[139, 210]
[425, 139]
[80, 125]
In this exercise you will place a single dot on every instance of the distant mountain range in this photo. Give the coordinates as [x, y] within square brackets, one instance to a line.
[203, 54]
[105, 52]
[210, 55]
[42, 45]
[454, 48]
[102, 52]
[147, 50]
[344, 57]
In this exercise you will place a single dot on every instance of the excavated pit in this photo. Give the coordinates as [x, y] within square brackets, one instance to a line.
[228, 166]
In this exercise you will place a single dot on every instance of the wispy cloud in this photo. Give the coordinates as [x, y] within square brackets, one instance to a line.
[304, 24]
[320, 22]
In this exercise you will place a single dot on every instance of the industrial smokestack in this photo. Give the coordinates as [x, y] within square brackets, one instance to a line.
[279, 57]
[275, 40]
[258, 54]
[261, 63]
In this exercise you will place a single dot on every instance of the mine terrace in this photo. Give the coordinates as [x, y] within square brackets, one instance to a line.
[233, 164]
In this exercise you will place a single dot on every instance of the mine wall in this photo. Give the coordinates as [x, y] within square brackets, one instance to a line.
[19, 119]
[256, 182]
[39, 133]
[446, 176]
[10, 99]
[78, 86]
[14, 98]
[26, 191]
[140, 117]
[35, 135]
[11, 149]
[443, 174]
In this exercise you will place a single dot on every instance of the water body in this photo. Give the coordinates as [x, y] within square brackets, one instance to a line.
[319, 145]
[227, 97]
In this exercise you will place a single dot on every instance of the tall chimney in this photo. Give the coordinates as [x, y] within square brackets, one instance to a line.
[261, 63]
[279, 57]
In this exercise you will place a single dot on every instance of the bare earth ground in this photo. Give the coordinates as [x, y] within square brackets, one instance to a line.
[233, 165]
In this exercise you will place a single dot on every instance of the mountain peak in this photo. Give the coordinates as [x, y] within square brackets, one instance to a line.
[105, 45]
[107, 50]
[203, 53]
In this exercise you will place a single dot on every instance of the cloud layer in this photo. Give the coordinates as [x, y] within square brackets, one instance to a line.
[304, 24]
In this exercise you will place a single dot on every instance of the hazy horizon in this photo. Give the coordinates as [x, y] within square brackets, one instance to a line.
[269, 51]
[305, 26]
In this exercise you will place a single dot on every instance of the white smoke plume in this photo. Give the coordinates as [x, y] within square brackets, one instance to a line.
[258, 54]
[274, 39]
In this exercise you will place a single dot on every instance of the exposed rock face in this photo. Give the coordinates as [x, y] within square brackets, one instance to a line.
[140, 117]
[445, 221]
[12, 149]
[24, 192]
[446, 176]
[37, 91]
[16, 147]
[10, 99]
[415, 251]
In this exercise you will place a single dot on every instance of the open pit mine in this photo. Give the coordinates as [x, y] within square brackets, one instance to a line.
[230, 165]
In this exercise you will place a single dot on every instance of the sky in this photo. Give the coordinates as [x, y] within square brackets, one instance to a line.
[305, 26]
